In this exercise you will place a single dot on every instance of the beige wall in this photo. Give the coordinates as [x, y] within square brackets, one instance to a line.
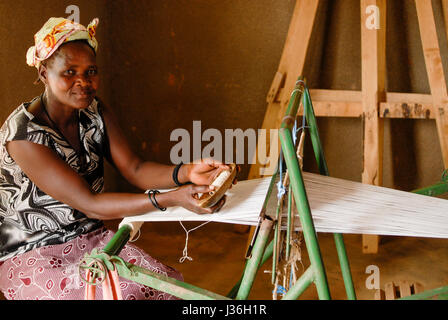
[167, 63]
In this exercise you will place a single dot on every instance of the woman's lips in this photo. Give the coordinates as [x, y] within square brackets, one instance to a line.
[84, 94]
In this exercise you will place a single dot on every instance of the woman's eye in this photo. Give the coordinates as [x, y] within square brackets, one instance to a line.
[70, 72]
[92, 72]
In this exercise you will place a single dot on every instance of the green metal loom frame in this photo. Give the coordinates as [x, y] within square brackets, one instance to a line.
[260, 251]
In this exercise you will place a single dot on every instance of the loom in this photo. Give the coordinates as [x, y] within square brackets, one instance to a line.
[282, 204]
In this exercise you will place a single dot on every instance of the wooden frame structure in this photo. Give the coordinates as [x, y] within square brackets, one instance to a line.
[372, 104]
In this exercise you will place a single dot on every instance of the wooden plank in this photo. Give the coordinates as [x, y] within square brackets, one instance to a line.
[445, 14]
[348, 103]
[275, 87]
[336, 95]
[405, 288]
[379, 294]
[373, 53]
[356, 96]
[401, 110]
[397, 290]
[434, 68]
[373, 92]
[296, 48]
[336, 103]
[406, 110]
[398, 97]
[390, 291]
[336, 109]
[407, 106]
[291, 66]
[417, 288]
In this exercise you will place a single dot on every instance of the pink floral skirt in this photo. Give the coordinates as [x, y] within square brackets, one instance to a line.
[51, 272]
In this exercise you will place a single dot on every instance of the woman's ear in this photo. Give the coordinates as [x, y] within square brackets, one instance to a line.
[42, 73]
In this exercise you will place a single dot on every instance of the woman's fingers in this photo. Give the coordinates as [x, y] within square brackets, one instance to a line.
[214, 208]
[215, 164]
[195, 190]
[219, 205]
[201, 189]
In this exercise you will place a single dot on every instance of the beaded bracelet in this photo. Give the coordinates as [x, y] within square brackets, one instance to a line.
[152, 197]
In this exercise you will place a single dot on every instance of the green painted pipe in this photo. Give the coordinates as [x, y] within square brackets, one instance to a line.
[118, 241]
[151, 279]
[300, 196]
[434, 190]
[301, 285]
[254, 262]
[166, 284]
[345, 266]
[275, 252]
[323, 169]
[441, 293]
[314, 133]
[267, 254]
[290, 222]
[304, 210]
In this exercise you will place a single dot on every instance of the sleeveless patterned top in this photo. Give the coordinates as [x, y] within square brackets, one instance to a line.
[29, 218]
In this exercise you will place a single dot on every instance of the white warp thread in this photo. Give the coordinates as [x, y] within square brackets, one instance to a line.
[337, 206]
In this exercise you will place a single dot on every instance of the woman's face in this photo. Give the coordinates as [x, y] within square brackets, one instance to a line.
[71, 75]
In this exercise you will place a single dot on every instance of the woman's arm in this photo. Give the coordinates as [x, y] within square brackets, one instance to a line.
[151, 175]
[142, 174]
[57, 179]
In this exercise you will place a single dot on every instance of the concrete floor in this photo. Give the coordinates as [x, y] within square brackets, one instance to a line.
[218, 259]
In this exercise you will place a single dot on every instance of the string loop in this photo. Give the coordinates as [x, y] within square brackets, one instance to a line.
[187, 232]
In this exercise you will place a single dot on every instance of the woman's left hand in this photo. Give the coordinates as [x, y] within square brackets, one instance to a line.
[205, 171]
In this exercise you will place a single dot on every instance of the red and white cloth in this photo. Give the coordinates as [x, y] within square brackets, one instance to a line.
[51, 272]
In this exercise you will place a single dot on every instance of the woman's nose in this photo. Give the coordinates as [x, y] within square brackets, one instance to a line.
[83, 80]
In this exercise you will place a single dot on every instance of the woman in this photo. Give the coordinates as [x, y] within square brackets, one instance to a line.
[51, 180]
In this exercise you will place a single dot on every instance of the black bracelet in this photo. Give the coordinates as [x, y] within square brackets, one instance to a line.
[175, 173]
[152, 197]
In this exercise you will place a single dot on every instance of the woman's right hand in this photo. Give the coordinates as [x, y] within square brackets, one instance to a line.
[187, 197]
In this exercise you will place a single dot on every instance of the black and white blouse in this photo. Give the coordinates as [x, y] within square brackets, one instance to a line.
[29, 218]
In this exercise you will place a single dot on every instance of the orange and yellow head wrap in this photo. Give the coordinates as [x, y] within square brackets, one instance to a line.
[54, 33]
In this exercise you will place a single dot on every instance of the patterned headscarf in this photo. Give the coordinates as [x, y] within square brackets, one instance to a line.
[54, 33]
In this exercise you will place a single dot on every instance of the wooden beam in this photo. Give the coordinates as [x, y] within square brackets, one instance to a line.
[290, 68]
[348, 103]
[407, 106]
[336, 109]
[275, 87]
[445, 15]
[390, 291]
[356, 96]
[406, 110]
[335, 95]
[398, 97]
[434, 69]
[373, 53]
[336, 103]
